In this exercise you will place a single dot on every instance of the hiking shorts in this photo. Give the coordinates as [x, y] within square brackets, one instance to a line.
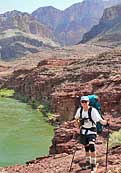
[85, 139]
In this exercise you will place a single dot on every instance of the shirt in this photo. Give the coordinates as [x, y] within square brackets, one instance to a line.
[87, 123]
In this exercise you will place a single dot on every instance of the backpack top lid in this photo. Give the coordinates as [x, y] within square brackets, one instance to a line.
[93, 99]
[94, 102]
[93, 96]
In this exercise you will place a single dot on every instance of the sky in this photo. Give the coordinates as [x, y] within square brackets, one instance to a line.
[31, 5]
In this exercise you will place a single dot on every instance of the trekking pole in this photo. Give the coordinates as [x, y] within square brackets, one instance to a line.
[106, 169]
[72, 159]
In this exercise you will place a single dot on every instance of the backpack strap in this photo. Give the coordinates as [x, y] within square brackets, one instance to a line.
[89, 117]
[82, 119]
[81, 109]
[89, 114]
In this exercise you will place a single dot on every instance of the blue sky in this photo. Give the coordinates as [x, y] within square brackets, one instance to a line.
[31, 5]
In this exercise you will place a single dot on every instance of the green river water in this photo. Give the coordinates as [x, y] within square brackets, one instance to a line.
[24, 133]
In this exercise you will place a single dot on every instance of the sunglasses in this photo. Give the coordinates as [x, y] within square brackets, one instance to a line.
[84, 101]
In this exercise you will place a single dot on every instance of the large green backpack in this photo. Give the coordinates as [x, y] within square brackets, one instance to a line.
[97, 105]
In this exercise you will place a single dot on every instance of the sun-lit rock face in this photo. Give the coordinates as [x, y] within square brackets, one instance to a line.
[108, 31]
[23, 22]
[71, 24]
[22, 34]
[111, 13]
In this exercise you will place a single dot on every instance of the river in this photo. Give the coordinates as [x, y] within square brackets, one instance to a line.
[24, 133]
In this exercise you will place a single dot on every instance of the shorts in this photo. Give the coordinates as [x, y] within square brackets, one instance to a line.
[85, 139]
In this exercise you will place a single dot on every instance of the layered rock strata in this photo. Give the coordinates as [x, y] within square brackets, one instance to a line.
[60, 82]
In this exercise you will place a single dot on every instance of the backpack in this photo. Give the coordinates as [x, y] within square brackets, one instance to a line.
[97, 105]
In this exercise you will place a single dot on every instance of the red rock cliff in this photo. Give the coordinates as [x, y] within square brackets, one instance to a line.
[60, 82]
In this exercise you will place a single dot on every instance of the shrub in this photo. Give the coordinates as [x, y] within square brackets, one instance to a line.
[6, 92]
[40, 108]
[44, 108]
[115, 139]
[50, 115]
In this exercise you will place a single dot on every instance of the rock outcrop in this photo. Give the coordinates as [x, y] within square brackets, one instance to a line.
[23, 22]
[60, 82]
[107, 32]
[16, 44]
[21, 34]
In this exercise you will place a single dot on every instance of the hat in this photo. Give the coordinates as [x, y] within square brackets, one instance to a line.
[85, 98]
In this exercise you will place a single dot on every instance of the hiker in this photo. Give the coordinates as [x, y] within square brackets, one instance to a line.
[88, 131]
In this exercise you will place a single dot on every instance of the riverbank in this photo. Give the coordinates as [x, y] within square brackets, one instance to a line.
[24, 132]
[60, 82]
[60, 161]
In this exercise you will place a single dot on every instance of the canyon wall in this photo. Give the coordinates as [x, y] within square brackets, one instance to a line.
[61, 82]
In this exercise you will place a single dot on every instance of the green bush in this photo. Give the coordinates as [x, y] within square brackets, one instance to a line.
[50, 115]
[40, 108]
[115, 170]
[6, 92]
[115, 139]
[44, 108]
